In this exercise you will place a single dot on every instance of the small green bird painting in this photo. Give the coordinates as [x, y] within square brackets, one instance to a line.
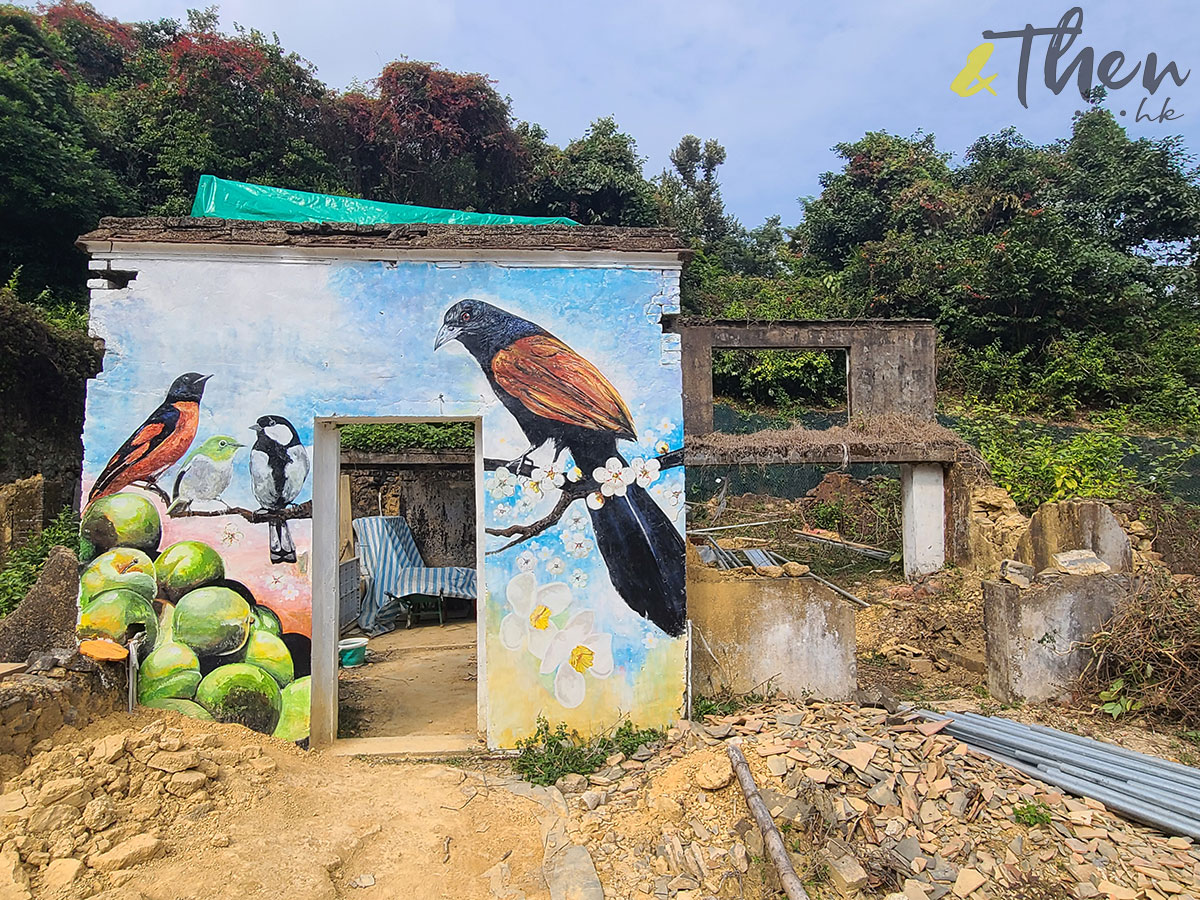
[206, 472]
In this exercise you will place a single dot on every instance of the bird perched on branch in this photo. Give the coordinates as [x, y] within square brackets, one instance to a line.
[158, 443]
[556, 395]
[278, 470]
[206, 472]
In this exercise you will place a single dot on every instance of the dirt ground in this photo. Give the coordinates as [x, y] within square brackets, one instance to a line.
[322, 822]
[417, 681]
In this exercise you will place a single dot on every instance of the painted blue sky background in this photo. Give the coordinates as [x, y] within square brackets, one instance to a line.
[356, 339]
[779, 83]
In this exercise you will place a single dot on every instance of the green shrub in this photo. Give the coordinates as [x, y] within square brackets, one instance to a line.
[1035, 466]
[549, 754]
[408, 436]
[24, 563]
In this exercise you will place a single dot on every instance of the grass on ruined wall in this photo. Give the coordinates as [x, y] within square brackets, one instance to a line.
[550, 753]
[24, 563]
[393, 438]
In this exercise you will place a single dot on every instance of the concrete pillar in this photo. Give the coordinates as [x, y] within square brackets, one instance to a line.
[922, 505]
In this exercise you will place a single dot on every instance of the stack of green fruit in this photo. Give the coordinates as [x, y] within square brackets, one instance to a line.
[209, 650]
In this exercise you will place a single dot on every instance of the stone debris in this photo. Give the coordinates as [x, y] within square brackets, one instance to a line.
[874, 804]
[1080, 562]
[1017, 573]
[82, 814]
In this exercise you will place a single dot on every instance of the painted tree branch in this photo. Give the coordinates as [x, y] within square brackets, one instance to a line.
[569, 495]
[672, 459]
[570, 492]
[253, 516]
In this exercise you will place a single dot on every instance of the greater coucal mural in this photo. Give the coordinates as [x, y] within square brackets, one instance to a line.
[557, 395]
[159, 442]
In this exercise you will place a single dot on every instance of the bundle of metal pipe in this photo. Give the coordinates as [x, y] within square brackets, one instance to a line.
[1147, 789]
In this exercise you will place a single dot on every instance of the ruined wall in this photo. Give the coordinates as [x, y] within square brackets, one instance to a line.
[582, 615]
[793, 633]
[433, 491]
[21, 513]
[59, 689]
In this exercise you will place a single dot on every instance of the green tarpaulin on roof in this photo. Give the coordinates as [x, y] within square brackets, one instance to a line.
[217, 198]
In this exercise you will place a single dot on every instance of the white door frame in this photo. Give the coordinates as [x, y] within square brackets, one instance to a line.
[323, 719]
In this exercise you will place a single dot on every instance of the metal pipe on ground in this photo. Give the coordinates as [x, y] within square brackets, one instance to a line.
[1074, 751]
[1131, 805]
[1121, 804]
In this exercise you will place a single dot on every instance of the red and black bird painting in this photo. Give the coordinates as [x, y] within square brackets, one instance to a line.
[556, 395]
[159, 442]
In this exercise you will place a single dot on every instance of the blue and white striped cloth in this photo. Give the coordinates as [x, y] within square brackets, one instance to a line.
[393, 565]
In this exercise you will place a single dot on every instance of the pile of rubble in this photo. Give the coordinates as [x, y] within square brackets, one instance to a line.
[82, 814]
[874, 804]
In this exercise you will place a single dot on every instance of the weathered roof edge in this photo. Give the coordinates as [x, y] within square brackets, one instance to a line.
[188, 230]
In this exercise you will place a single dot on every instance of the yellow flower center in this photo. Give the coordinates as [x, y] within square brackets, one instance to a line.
[582, 658]
[540, 617]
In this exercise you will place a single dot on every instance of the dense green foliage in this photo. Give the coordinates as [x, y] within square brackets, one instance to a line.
[24, 564]
[394, 438]
[1062, 277]
[100, 117]
[1035, 464]
[550, 753]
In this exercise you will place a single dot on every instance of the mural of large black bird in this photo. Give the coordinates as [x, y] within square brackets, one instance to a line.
[557, 395]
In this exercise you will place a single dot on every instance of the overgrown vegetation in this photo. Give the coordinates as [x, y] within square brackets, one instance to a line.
[407, 436]
[550, 753]
[1036, 464]
[24, 563]
[1147, 658]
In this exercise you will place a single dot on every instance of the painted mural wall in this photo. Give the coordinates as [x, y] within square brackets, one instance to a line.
[197, 443]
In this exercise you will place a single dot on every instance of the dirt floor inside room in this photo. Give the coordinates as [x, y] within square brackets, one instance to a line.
[417, 681]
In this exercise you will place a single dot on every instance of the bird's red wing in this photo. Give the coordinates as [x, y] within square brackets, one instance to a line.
[555, 382]
[132, 450]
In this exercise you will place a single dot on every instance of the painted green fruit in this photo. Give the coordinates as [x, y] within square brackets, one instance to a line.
[166, 624]
[187, 707]
[293, 720]
[121, 520]
[111, 614]
[265, 620]
[120, 567]
[213, 621]
[171, 670]
[185, 566]
[242, 693]
[269, 653]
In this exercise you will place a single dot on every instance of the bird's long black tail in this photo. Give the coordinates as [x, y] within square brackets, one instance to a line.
[645, 557]
[283, 549]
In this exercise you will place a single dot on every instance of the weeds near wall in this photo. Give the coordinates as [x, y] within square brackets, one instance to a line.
[550, 753]
[24, 563]
[1148, 656]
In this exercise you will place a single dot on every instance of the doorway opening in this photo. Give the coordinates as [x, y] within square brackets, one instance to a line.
[408, 565]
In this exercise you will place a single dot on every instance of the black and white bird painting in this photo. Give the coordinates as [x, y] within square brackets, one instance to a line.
[278, 469]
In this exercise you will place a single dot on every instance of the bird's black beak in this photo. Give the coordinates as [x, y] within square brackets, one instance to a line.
[204, 379]
[256, 427]
[446, 334]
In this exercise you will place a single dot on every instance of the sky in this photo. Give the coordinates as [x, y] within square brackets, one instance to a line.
[778, 83]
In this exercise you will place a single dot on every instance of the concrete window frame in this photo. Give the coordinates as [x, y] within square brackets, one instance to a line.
[326, 488]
